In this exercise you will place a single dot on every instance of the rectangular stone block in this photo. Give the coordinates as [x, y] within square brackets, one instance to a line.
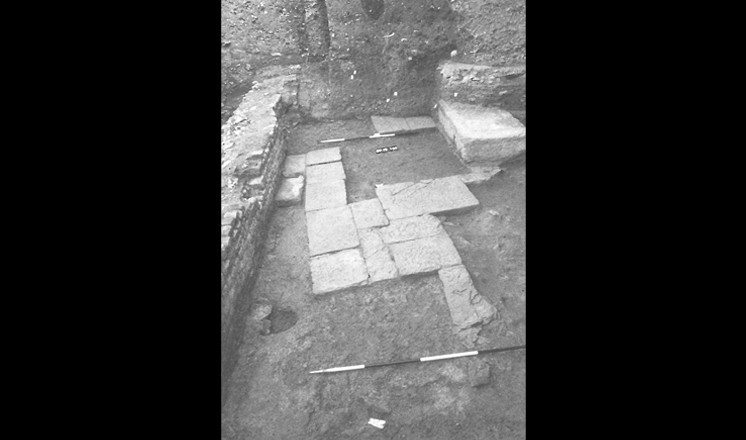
[420, 122]
[368, 214]
[424, 254]
[385, 124]
[337, 271]
[481, 134]
[466, 305]
[378, 261]
[331, 230]
[437, 196]
[324, 155]
[290, 191]
[325, 195]
[325, 172]
[295, 165]
[411, 228]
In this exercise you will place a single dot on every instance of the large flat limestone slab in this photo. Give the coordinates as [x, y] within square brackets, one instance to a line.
[466, 305]
[324, 195]
[420, 122]
[331, 230]
[368, 214]
[424, 254]
[386, 124]
[378, 261]
[337, 271]
[447, 195]
[481, 133]
[325, 172]
[411, 228]
[325, 155]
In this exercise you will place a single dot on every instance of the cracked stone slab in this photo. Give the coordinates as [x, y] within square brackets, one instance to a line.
[448, 195]
[385, 124]
[378, 261]
[467, 306]
[324, 155]
[337, 271]
[295, 165]
[424, 255]
[325, 172]
[368, 214]
[324, 195]
[411, 228]
[290, 191]
[331, 230]
[420, 122]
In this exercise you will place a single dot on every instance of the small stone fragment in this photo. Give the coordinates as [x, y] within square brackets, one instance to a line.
[261, 309]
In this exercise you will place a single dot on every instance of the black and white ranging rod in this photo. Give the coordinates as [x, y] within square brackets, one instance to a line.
[422, 359]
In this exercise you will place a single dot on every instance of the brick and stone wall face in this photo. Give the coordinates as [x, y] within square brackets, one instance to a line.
[254, 145]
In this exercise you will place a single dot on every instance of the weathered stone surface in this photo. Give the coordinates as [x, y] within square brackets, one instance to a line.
[325, 195]
[479, 175]
[290, 191]
[331, 230]
[368, 214]
[340, 270]
[324, 155]
[295, 165]
[411, 228]
[376, 254]
[386, 124]
[437, 196]
[424, 254]
[420, 122]
[325, 172]
[481, 133]
[466, 305]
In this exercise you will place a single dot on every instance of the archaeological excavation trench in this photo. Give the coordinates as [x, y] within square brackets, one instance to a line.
[402, 237]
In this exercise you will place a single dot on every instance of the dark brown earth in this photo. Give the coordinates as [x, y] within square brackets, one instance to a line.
[272, 395]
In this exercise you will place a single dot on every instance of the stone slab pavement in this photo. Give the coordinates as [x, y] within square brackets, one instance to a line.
[385, 124]
[324, 155]
[368, 214]
[337, 271]
[420, 122]
[331, 230]
[411, 228]
[446, 195]
[466, 305]
[329, 194]
[424, 255]
[378, 260]
[325, 172]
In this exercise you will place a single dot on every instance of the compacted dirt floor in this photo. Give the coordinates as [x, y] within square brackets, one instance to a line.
[272, 396]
